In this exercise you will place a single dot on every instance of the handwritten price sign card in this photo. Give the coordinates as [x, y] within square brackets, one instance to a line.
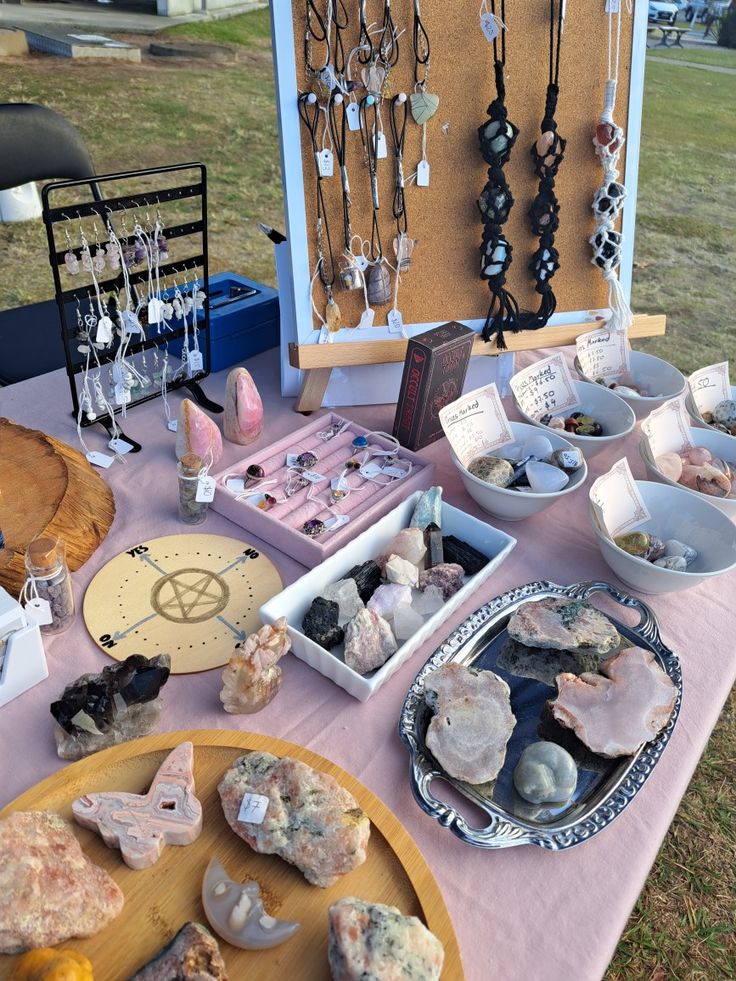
[617, 502]
[476, 424]
[603, 353]
[545, 387]
[667, 429]
[709, 386]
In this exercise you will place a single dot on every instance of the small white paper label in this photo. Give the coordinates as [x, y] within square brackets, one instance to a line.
[253, 809]
[381, 146]
[339, 484]
[291, 459]
[336, 521]
[617, 501]
[104, 330]
[312, 476]
[326, 163]
[195, 363]
[370, 470]
[122, 395]
[38, 611]
[395, 322]
[667, 428]
[603, 353]
[366, 318]
[353, 114]
[709, 386]
[120, 446]
[397, 472]
[423, 173]
[361, 262]
[172, 425]
[613, 6]
[117, 373]
[100, 459]
[155, 310]
[545, 387]
[476, 424]
[131, 322]
[205, 490]
[235, 484]
[489, 26]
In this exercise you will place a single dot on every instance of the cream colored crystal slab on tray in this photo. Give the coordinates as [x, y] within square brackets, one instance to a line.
[158, 901]
[190, 596]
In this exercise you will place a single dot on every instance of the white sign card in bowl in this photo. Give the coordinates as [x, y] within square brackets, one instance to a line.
[476, 424]
[667, 428]
[545, 387]
[603, 353]
[709, 386]
[617, 502]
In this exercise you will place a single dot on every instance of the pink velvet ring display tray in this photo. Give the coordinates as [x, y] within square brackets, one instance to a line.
[281, 525]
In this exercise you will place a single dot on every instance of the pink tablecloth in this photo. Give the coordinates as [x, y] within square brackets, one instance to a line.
[520, 914]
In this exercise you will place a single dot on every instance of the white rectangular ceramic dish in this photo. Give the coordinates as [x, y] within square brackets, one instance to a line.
[294, 601]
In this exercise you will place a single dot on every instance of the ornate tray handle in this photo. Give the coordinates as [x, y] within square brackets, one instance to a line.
[647, 627]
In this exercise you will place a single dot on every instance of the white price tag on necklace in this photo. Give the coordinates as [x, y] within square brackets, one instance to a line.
[195, 362]
[367, 317]
[381, 147]
[489, 26]
[617, 502]
[603, 353]
[104, 330]
[709, 386]
[172, 425]
[155, 310]
[131, 322]
[120, 445]
[397, 472]
[339, 484]
[613, 6]
[100, 459]
[205, 490]
[423, 173]
[122, 395]
[395, 322]
[476, 424]
[336, 521]
[353, 114]
[38, 611]
[361, 262]
[545, 387]
[312, 476]
[326, 163]
[253, 809]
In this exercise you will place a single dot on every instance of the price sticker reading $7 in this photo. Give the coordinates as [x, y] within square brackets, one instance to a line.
[545, 387]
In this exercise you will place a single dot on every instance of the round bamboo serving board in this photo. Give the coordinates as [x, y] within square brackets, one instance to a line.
[190, 596]
[159, 900]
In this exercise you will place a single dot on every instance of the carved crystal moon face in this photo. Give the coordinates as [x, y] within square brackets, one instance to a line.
[236, 912]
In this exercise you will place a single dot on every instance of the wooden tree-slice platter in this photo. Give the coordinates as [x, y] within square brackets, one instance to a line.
[159, 900]
[190, 596]
[47, 488]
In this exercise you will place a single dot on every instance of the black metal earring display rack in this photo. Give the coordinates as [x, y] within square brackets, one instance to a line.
[117, 210]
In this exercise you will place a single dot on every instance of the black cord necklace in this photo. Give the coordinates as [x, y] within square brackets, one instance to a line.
[350, 274]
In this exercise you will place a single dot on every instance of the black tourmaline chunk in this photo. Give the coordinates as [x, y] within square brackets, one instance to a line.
[367, 578]
[137, 679]
[465, 555]
[320, 623]
[433, 541]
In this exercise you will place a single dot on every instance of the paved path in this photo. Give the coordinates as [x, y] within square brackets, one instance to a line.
[720, 69]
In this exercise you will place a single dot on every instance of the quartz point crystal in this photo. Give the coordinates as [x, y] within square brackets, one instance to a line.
[435, 547]
[448, 577]
[243, 417]
[406, 621]
[428, 509]
[367, 578]
[563, 624]
[369, 642]
[545, 774]
[386, 597]
[409, 544]
[185, 957]
[252, 677]
[320, 623]
[101, 710]
[428, 602]
[400, 571]
[197, 433]
[458, 552]
[345, 594]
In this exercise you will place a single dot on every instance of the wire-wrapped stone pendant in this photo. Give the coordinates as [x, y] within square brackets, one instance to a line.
[333, 317]
[350, 275]
[379, 284]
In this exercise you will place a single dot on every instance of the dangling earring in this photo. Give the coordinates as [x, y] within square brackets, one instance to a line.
[98, 263]
[70, 259]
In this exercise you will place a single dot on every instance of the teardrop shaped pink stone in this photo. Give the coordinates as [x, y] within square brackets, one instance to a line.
[544, 142]
[243, 420]
[197, 433]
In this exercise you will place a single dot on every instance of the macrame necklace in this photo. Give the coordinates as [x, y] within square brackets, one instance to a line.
[609, 198]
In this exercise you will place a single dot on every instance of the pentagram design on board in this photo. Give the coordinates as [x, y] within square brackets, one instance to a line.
[190, 595]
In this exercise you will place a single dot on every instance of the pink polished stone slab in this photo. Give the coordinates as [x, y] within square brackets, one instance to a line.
[197, 433]
[140, 825]
[243, 418]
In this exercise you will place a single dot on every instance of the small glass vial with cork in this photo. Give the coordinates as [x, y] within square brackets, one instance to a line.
[191, 511]
[51, 581]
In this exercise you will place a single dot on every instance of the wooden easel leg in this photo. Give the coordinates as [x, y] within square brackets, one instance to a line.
[313, 389]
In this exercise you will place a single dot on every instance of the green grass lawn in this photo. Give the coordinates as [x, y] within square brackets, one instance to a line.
[682, 928]
[720, 57]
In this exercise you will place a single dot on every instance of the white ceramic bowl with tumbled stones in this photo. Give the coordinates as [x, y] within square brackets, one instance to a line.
[514, 505]
[617, 419]
[698, 419]
[675, 513]
[653, 375]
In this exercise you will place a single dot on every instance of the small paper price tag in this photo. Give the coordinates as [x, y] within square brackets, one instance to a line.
[122, 395]
[353, 114]
[131, 322]
[370, 470]
[312, 476]
[172, 425]
[489, 26]
[361, 262]
[195, 363]
[38, 611]
[709, 386]
[366, 318]
[336, 521]
[545, 387]
[381, 146]
[339, 484]
[155, 310]
[617, 501]
[476, 424]
[395, 322]
[423, 173]
[253, 808]
[104, 330]
[603, 353]
[395, 471]
[205, 490]
[100, 459]
[613, 6]
[291, 459]
[120, 446]
[326, 163]
[667, 428]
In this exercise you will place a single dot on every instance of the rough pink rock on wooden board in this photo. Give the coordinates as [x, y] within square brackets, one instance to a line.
[243, 420]
[197, 433]
[140, 825]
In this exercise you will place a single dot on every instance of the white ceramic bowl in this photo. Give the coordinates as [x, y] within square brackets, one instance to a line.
[689, 518]
[695, 414]
[294, 601]
[512, 505]
[653, 374]
[720, 444]
[614, 415]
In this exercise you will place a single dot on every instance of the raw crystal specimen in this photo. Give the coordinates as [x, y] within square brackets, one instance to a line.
[367, 578]
[243, 416]
[545, 774]
[459, 552]
[310, 820]
[428, 509]
[434, 545]
[192, 955]
[49, 889]
[252, 676]
[100, 710]
[236, 912]
[373, 941]
[400, 571]
[320, 623]
[140, 825]
[543, 664]
[408, 544]
[197, 433]
[448, 577]
[369, 642]
[406, 621]
[429, 601]
[345, 594]
[472, 724]
[563, 624]
[384, 600]
[617, 710]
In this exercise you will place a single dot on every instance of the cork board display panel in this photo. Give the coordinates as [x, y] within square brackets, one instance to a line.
[443, 282]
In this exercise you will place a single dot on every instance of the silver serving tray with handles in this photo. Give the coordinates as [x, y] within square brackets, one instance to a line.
[605, 787]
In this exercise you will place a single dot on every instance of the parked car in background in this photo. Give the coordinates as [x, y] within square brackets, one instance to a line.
[699, 9]
[662, 13]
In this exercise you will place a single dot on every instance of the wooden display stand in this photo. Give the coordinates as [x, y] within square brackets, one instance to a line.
[443, 282]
